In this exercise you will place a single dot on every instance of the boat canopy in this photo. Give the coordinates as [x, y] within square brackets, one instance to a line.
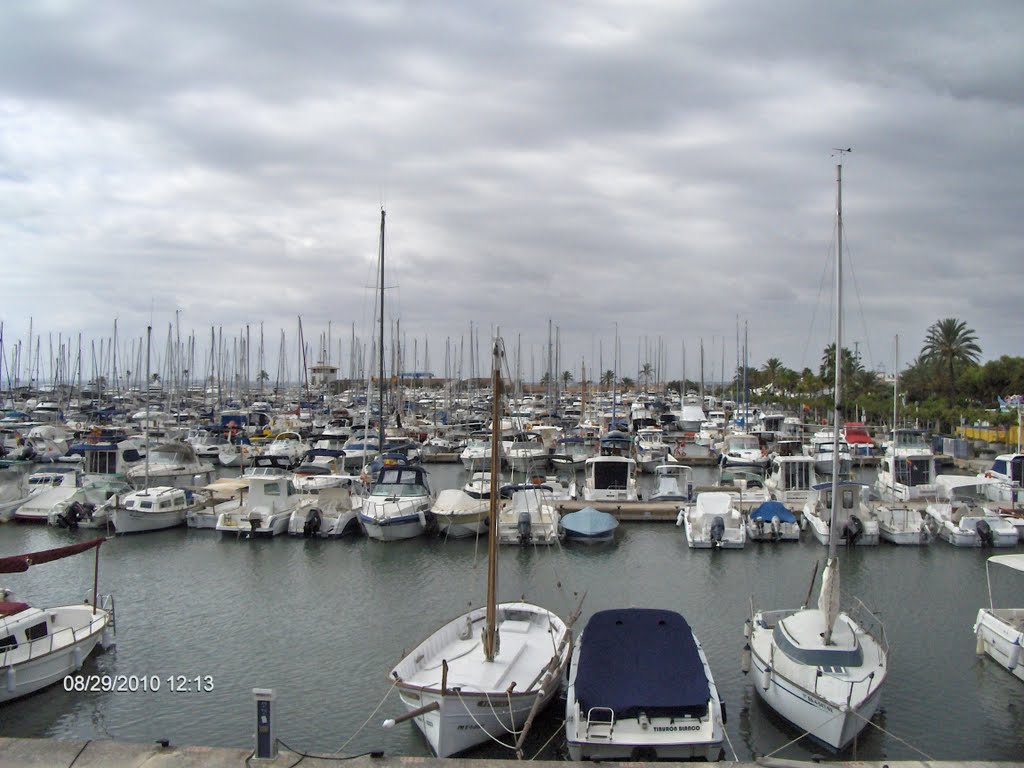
[1016, 562]
[770, 509]
[21, 563]
[589, 522]
[635, 660]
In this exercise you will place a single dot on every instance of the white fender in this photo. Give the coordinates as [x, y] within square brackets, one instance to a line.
[1014, 659]
[766, 678]
[12, 682]
[745, 659]
[76, 658]
[979, 647]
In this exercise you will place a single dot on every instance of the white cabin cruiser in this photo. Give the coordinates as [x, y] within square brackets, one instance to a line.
[266, 511]
[153, 509]
[611, 476]
[172, 463]
[854, 519]
[962, 516]
[907, 468]
[398, 505]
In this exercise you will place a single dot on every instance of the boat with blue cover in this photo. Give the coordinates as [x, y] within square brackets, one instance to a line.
[640, 688]
[772, 521]
[589, 525]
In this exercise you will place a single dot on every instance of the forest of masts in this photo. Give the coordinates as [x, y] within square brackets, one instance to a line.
[221, 367]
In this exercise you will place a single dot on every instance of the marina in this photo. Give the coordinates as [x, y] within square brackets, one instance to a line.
[322, 621]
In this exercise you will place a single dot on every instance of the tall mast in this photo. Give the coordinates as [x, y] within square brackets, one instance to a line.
[491, 641]
[380, 341]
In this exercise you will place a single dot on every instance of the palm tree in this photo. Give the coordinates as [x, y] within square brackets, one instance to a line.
[647, 371]
[950, 343]
[566, 378]
[607, 378]
[772, 368]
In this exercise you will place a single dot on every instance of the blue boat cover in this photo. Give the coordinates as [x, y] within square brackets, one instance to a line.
[770, 509]
[589, 522]
[636, 660]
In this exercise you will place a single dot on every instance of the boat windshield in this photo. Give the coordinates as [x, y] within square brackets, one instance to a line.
[913, 472]
[745, 443]
[399, 482]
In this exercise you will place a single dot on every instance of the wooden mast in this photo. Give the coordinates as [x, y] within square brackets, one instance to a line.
[491, 641]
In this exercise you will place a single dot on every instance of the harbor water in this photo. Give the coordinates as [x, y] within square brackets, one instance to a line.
[206, 619]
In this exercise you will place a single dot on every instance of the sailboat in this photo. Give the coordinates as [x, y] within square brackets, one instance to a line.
[821, 668]
[485, 674]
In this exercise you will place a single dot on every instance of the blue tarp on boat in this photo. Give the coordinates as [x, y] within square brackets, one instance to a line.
[636, 660]
[589, 523]
[770, 509]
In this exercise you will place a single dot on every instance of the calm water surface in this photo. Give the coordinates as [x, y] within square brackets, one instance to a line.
[322, 622]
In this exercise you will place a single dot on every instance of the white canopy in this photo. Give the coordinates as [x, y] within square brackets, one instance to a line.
[1016, 562]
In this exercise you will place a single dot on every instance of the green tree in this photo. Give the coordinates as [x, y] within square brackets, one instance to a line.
[949, 343]
[626, 382]
[607, 379]
[566, 378]
[646, 372]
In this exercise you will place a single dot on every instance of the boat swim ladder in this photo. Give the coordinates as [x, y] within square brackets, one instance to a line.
[600, 722]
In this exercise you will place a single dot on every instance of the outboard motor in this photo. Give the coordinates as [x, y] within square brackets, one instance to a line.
[313, 522]
[525, 528]
[984, 533]
[717, 530]
[70, 517]
[853, 529]
[776, 527]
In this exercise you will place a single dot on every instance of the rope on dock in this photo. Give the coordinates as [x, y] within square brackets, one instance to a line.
[798, 738]
[79, 753]
[728, 741]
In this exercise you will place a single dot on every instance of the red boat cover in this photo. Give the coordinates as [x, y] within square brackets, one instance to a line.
[20, 563]
[9, 609]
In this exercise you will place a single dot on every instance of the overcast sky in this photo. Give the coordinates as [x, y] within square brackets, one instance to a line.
[664, 167]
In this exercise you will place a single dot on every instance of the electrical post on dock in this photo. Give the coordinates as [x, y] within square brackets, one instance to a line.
[266, 732]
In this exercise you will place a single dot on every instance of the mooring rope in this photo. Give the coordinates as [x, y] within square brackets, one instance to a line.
[372, 715]
[798, 738]
[472, 717]
[893, 735]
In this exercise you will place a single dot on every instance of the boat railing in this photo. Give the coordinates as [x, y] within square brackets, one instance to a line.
[66, 637]
[600, 722]
[870, 623]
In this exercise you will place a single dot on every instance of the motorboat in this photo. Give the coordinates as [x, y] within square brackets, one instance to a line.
[398, 505]
[611, 476]
[1000, 631]
[172, 463]
[772, 521]
[526, 452]
[589, 526]
[360, 450]
[287, 449]
[746, 486]
[460, 514]
[334, 511]
[222, 495]
[651, 449]
[713, 522]
[853, 518]
[961, 514]
[791, 480]
[46, 489]
[822, 668]
[531, 516]
[857, 439]
[673, 482]
[1008, 471]
[640, 689]
[40, 647]
[823, 444]
[907, 468]
[89, 506]
[476, 456]
[902, 523]
[478, 486]
[268, 508]
[153, 509]
[740, 449]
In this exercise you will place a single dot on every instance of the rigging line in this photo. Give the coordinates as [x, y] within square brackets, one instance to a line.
[860, 306]
[798, 738]
[817, 303]
[372, 715]
[495, 739]
[892, 735]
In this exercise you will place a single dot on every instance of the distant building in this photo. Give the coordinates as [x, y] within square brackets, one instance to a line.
[323, 375]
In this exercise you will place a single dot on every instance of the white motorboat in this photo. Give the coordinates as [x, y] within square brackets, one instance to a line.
[851, 517]
[334, 512]
[611, 476]
[266, 511]
[398, 505]
[902, 523]
[1000, 631]
[89, 506]
[462, 685]
[222, 495]
[740, 449]
[961, 514]
[640, 689]
[821, 668]
[1008, 471]
[40, 647]
[476, 456]
[172, 463]
[458, 514]
[673, 482]
[791, 480]
[713, 522]
[823, 443]
[287, 449]
[360, 450]
[907, 468]
[530, 518]
[153, 509]
[46, 489]
[651, 449]
[526, 452]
